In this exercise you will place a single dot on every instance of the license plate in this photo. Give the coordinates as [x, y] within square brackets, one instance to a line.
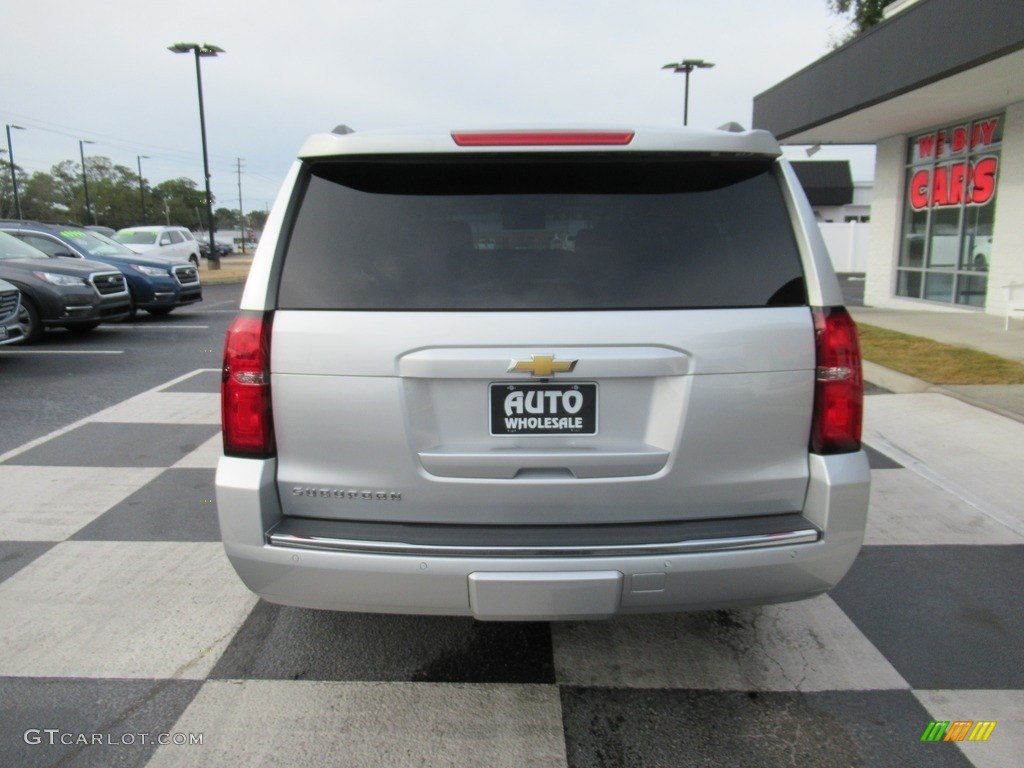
[544, 409]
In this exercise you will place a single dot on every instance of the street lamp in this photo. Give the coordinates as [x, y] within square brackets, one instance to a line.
[201, 50]
[687, 66]
[142, 187]
[14, 177]
[85, 181]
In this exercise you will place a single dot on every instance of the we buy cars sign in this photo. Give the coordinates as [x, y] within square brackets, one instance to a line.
[967, 177]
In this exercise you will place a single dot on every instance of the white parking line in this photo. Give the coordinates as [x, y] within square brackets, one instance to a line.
[61, 351]
[147, 327]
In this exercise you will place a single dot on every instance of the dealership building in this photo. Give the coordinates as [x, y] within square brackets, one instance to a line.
[938, 88]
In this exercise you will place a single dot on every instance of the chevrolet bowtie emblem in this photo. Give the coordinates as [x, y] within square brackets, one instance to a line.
[542, 365]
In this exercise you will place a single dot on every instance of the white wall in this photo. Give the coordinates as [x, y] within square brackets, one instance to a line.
[847, 245]
[1007, 263]
[886, 218]
[863, 192]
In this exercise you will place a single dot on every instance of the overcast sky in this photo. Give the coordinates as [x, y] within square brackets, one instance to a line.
[101, 71]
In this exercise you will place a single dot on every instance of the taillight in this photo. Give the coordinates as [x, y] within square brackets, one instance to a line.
[540, 138]
[839, 383]
[246, 419]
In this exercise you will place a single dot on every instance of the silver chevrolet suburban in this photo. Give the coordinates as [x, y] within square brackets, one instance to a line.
[542, 374]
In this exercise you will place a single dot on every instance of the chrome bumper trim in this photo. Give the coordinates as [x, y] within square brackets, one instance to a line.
[780, 539]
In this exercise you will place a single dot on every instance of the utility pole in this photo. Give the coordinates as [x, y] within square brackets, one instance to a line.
[85, 181]
[14, 177]
[241, 208]
[142, 189]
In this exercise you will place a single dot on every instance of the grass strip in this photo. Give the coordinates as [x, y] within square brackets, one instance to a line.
[935, 362]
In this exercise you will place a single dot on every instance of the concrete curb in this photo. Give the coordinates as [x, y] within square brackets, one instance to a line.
[902, 384]
[894, 381]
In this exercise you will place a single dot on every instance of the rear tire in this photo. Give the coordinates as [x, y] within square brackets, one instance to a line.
[28, 319]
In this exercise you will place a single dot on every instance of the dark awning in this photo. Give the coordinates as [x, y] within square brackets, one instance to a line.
[826, 182]
[936, 61]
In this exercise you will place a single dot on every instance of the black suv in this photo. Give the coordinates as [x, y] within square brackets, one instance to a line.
[156, 284]
[60, 292]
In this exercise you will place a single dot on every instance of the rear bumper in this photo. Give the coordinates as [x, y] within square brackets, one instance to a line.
[542, 587]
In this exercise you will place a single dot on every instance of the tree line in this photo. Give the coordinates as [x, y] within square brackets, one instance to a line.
[118, 198]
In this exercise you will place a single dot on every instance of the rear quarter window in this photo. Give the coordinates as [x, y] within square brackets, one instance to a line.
[546, 232]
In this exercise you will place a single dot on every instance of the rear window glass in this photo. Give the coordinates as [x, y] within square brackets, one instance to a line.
[540, 233]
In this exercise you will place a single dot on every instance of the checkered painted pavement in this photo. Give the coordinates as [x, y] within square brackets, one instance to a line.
[123, 624]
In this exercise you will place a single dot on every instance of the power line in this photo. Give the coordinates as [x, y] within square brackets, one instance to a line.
[30, 160]
[158, 151]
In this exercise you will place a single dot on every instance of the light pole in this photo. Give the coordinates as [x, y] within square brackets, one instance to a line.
[687, 66]
[142, 187]
[201, 50]
[14, 177]
[85, 181]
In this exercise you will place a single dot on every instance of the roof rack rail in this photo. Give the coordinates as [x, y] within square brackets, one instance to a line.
[732, 127]
[342, 130]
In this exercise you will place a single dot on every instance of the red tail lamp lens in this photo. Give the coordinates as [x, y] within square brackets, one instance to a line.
[246, 418]
[839, 383]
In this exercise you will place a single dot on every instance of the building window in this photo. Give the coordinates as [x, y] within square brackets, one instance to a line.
[950, 212]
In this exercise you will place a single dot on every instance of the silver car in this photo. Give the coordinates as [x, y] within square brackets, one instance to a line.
[541, 375]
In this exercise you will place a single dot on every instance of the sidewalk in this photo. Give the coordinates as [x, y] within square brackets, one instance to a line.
[969, 452]
[965, 329]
